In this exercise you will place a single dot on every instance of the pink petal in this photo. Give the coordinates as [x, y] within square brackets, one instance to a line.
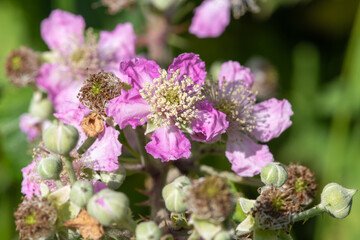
[211, 18]
[53, 78]
[209, 124]
[103, 154]
[246, 156]
[31, 126]
[272, 118]
[169, 143]
[67, 96]
[117, 45]
[63, 31]
[31, 181]
[139, 71]
[98, 186]
[232, 71]
[190, 65]
[128, 109]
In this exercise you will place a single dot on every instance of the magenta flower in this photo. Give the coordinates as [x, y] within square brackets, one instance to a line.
[74, 56]
[249, 121]
[167, 102]
[32, 126]
[211, 18]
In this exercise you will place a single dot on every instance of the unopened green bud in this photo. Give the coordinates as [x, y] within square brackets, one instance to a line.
[113, 179]
[223, 235]
[337, 200]
[162, 4]
[174, 195]
[147, 231]
[50, 167]
[40, 107]
[273, 174]
[108, 206]
[81, 192]
[60, 138]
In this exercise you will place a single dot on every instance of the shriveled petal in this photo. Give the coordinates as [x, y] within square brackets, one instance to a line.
[103, 154]
[63, 31]
[272, 118]
[232, 71]
[31, 181]
[53, 78]
[190, 65]
[209, 124]
[246, 156]
[31, 126]
[169, 143]
[128, 109]
[117, 45]
[139, 71]
[210, 19]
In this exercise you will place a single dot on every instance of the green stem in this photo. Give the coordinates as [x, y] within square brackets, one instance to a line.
[70, 169]
[123, 140]
[86, 145]
[129, 223]
[312, 212]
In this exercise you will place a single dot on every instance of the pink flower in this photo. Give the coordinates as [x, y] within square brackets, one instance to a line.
[211, 18]
[248, 122]
[31, 126]
[167, 101]
[73, 57]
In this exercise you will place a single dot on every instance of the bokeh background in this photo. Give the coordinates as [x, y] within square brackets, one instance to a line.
[313, 53]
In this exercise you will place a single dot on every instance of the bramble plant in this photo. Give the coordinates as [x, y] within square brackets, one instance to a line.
[117, 113]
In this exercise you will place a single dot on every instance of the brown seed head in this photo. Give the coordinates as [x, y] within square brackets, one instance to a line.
[301, 184]
[22, 66]
[35, 218]
[210, 198]
[98, 89]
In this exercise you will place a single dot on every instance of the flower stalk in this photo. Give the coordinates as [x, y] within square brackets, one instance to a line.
[70, 169]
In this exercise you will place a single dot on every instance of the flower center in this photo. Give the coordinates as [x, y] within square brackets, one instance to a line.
[236, 101]
[16, 63]
[30, 219]
[171, 100]
[300, 185]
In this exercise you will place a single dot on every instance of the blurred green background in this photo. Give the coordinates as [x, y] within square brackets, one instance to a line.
[314, 46]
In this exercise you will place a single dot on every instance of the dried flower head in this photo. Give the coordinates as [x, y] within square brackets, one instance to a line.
[301, 183]
[92, 124]
[172, 100]
[99, 88]
[273, 209]
[22, 66]
[35, 218]
[210, 198]
[115, 6]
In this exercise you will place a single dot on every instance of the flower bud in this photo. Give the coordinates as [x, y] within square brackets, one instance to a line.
[273, 174]
[40, 107]
[174, 195]
[60, 138]
[81, 192]
[50, 167]
[147, 230]
[337, 200]
[162, 4]
[113, 179]
[108, 206]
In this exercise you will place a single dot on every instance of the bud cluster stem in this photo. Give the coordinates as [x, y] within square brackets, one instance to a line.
[70, 169]
[312, 212]
[86, 145]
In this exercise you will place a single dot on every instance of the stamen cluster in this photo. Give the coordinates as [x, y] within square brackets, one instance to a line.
[171, 100]
[234, 99]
